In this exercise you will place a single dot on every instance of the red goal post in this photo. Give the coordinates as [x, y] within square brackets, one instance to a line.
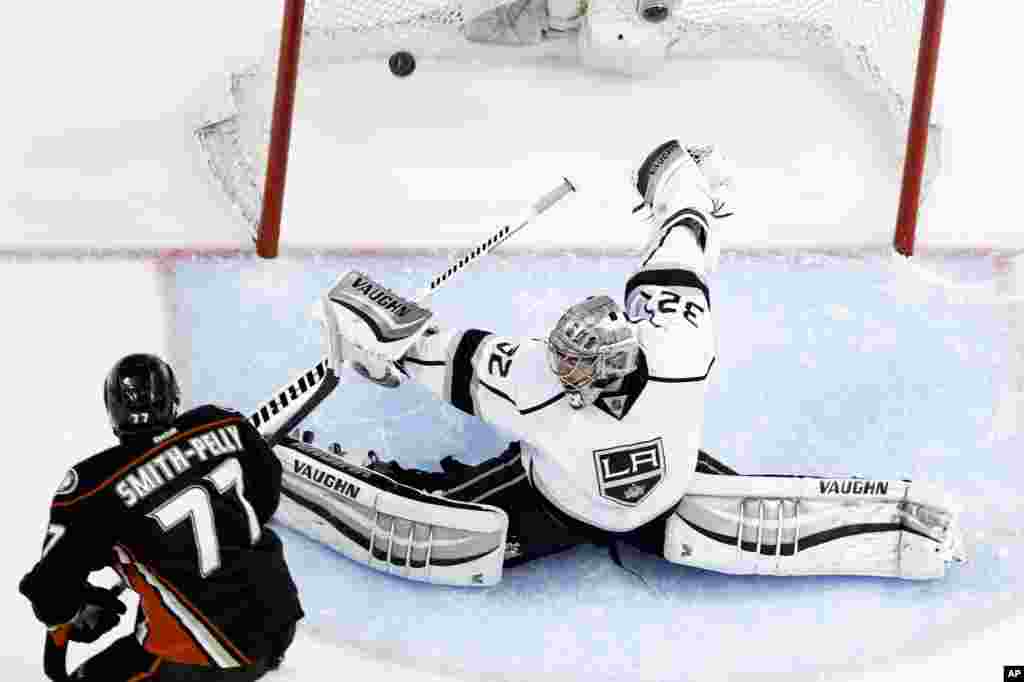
[863, 55]
[918, 131]
[268, 234]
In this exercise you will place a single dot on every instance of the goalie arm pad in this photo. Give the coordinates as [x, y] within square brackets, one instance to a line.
[483, 374]
[393, 528]
[669, 300]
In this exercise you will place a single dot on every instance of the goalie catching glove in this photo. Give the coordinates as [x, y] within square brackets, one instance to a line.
[370, 326]
[693, 186]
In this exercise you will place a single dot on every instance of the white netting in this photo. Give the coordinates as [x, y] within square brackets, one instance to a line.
[875, 42]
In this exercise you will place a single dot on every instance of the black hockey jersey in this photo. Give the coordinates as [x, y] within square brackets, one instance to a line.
[181, 517]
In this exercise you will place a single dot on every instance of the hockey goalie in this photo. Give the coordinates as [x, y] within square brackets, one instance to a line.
[608, 411]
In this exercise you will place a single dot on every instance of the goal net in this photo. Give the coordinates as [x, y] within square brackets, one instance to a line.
[875, 43]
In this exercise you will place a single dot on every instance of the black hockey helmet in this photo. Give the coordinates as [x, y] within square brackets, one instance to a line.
[141, 394]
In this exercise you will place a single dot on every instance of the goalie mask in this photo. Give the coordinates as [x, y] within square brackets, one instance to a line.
[592, 345]
[142, 395]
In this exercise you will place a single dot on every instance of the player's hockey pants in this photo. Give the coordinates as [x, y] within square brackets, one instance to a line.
[126, 660]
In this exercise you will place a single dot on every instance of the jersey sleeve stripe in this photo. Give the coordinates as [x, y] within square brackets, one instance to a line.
[689, 218]
[541, 406]
[496, 392]
[424, 363]
[683, 380]
[693, 220]
[144, 456]
[674, 277]
[462, 369]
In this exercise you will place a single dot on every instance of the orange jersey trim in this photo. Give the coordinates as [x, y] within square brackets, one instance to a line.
[206, 621]
[149, 453]
[165, 621]
[166, 636]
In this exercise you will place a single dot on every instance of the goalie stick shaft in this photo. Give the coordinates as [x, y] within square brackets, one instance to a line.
[323, 378]
[564, 188]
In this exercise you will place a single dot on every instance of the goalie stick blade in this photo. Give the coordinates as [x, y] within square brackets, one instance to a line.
[293, 402]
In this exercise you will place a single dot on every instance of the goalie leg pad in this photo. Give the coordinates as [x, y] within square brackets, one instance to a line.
[770, 525]
[390, 527]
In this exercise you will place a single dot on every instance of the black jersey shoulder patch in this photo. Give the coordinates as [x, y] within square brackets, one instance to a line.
[69, 483]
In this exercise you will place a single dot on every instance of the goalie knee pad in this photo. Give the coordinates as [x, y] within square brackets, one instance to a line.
[814, 526]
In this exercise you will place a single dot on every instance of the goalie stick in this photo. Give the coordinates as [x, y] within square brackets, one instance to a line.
[502, 235]
[271, 417]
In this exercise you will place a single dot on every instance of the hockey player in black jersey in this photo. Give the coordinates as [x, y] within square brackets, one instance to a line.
[179, 509]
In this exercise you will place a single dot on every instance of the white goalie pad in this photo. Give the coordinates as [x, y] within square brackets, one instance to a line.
[393, 528]
[774, 525]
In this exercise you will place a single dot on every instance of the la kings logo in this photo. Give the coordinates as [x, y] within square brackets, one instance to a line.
[627, 474]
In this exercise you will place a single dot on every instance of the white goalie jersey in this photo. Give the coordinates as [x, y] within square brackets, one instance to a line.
[630, 456]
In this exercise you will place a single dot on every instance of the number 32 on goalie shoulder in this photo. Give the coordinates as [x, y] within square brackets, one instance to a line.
[500, 361]
[668, 302]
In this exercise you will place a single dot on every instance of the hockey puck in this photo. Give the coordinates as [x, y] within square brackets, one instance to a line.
[402, 63]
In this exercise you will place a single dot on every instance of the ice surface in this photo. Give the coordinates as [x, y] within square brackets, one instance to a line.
[100, 155]
[828, 365]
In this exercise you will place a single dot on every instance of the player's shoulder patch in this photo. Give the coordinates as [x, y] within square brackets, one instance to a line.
[91, 473]
[69, 483]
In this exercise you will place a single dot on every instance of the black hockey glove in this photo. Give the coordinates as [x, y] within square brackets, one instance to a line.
[100, 613]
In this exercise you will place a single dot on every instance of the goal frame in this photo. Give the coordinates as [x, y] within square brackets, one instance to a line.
[268, 233]
[917, 135]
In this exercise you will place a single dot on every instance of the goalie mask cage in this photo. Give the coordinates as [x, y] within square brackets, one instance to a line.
[889, 48]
